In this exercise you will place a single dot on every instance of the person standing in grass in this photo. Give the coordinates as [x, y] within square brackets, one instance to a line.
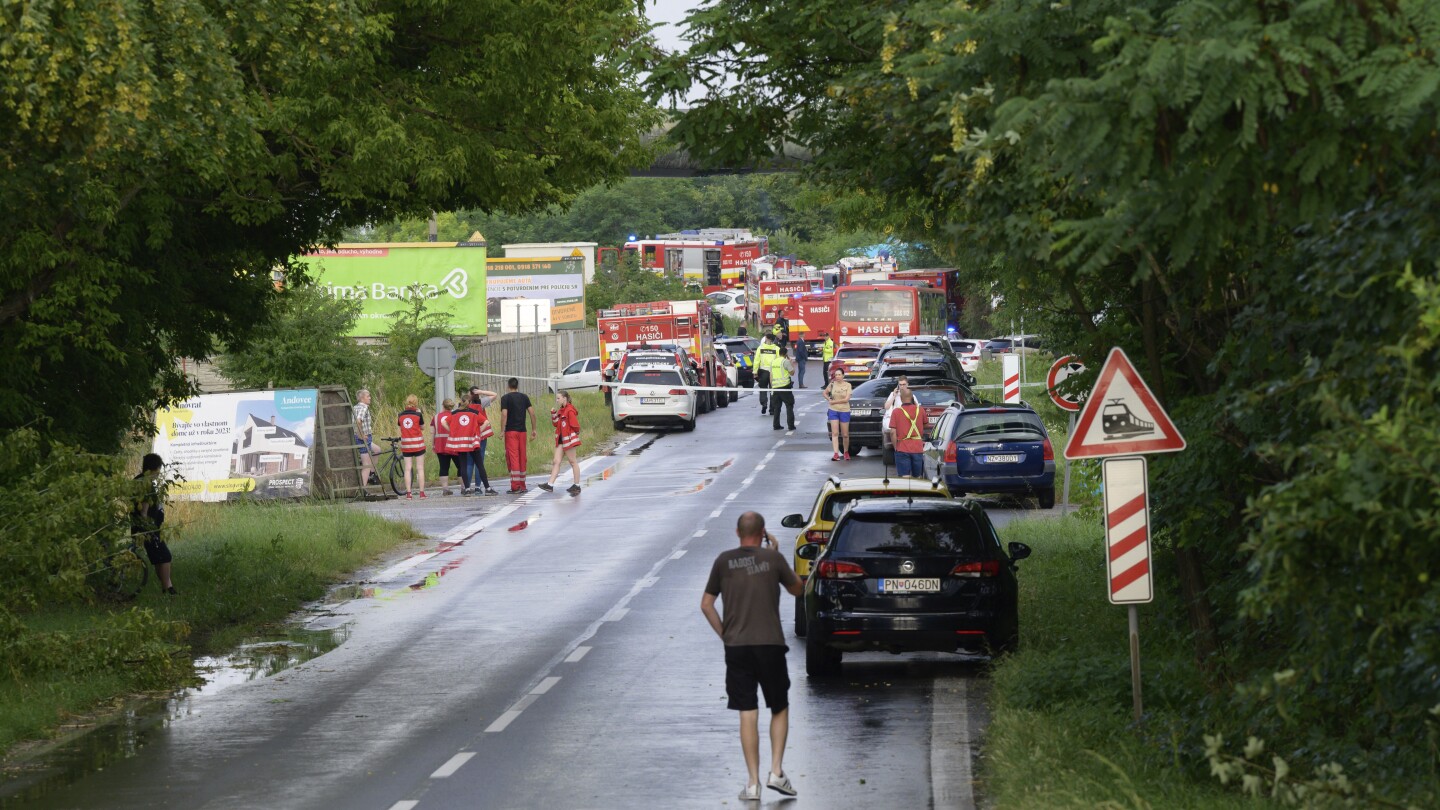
[147, 515]
[440, 429]
[567, 441]
[365, 437]
[412, 442]
[513, 408]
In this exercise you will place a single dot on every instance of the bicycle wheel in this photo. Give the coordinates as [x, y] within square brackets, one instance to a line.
[127, 571]
[393, 472]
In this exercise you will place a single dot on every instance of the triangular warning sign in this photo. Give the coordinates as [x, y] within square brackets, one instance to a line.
[1121, 416]
[576, 252]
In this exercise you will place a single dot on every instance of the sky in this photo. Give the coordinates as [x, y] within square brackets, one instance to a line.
[668, 13]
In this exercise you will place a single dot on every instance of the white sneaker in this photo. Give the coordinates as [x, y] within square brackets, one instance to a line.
[751, 793]
[780, 784]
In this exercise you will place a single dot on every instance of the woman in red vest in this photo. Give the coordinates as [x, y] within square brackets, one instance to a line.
[567, 441]
[440, 429]
[412, 441]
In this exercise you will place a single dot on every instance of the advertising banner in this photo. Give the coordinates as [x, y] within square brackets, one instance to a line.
[386, 276]
[559, 280]
[238, 444]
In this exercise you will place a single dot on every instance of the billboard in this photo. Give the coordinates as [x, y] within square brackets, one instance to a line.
[385, 276]
[254, 444]
[561, 281]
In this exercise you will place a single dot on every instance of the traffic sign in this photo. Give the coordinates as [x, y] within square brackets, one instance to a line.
[1127, 531]
[1010, 377]
[1121, 417]
[436, 357]
[1064, 368]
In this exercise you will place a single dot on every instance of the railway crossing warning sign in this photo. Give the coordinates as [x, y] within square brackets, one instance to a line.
[1121, 416]
[1010, 374]
[1127, 530]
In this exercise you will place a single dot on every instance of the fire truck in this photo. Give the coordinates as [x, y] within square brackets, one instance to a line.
[710, 258]
[944, 279]
[764, 300]
[683, 324]
[812, 315]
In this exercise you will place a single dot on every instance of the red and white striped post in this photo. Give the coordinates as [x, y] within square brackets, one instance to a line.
[1127, 542]
[1010, 377]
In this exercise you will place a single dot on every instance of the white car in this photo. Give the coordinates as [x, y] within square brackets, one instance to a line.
[968, 350]
[730, 303]
[581, 375]
[653, 396]
[732, 372]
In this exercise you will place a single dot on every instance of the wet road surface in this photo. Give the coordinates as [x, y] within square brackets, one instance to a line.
[549, 652]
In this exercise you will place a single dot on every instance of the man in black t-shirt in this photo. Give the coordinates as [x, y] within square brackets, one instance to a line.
[749, 579]
[147, 515]
[513, 408]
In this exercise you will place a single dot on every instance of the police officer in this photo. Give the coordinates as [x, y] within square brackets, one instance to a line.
[782, 369]
[764, 357]
[827, 353]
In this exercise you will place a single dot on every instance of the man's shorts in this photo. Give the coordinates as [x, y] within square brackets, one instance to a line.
[157, 552]
[365, 443]
[760, 665]
[838, 416]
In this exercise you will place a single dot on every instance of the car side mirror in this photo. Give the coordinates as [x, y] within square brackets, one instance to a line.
[809, 551]
[1018, 552]
[793, 521]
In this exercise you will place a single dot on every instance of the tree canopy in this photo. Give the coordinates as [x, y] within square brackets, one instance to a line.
[1231, 191]
[160, 159]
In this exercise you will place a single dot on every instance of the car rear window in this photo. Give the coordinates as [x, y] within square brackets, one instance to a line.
[857, 352]
[950, 532]
[874, 389]
[987, 426]
[934, 396]
[838, 502]
[963, 346]
[998, 344]
[914, 370]
[653, 376]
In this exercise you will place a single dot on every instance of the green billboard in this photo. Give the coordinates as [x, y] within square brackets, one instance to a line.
[386, 276]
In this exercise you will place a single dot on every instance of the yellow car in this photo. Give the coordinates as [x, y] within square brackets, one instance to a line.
[836, 494]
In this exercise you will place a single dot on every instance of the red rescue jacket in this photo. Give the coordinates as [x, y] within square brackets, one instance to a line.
[464, 427]
[412, 431]
[567, 426]
[440, 422]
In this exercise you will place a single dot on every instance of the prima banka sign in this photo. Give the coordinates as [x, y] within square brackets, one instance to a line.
[386, 278]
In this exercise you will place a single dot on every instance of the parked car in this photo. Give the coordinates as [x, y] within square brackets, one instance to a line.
[855, 361]
[867, 405]
[915, 364]
[653, 396]
[999, 345]
[993, 448]
[742, 353]
[934, 397]
[730, 303]
[582, 375]
[835, 496]
[910, 575]
[730, 376]
[938, 343]
[969, 352]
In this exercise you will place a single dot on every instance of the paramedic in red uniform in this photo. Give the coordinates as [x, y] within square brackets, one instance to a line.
[440, 429]
[475, 459]
[464, 427]
[567, 441]
[513, 408]
[412, 442]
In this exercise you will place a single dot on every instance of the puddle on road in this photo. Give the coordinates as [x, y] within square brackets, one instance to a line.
[119, 737]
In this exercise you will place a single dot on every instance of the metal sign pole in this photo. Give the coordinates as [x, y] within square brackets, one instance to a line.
[1065, 504]
[1135, 662]
[439, 380]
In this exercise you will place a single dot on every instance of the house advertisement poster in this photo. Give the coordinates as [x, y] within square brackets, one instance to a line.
[240, 444]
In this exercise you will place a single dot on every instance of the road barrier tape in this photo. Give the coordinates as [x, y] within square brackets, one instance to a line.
[704, 387]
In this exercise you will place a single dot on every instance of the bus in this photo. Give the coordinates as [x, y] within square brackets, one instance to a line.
[944, 279]
[875, 313]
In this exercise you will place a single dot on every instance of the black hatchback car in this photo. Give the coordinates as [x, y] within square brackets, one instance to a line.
[867, 404]
[903, 575]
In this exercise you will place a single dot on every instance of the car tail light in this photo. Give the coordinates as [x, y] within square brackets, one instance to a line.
[817, 537]
[1049, 450]
[835, 569]
[627, 392]
[949, 453]
[984, 568]
[678, 392]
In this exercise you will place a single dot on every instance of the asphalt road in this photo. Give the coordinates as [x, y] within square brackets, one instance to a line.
[549, 652]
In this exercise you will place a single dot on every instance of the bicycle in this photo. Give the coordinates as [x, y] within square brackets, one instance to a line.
[390, 466]
[121, 574]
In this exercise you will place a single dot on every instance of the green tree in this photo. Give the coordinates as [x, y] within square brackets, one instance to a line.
[159, 159]
[305, 342]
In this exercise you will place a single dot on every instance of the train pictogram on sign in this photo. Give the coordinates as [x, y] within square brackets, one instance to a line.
[1121, 417]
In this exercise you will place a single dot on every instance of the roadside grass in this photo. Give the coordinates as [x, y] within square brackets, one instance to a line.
[1060, 733]
[238, 567]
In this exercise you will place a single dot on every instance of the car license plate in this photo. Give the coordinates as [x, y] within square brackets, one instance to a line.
[1005, 459]
[860, 411]
[652, 400]
[929, 585]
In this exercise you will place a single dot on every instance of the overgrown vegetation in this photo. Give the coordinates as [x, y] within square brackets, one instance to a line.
[1238, 194]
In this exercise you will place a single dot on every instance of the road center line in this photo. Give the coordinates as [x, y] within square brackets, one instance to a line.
[545, 685]
[502, 722]
[579, 653]
[700, 533]
[408, 804]
[449, 768]
[677, 555]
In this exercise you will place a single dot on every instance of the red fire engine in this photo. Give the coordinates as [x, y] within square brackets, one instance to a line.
[711, 258]
[764, 300]
[811, 315]
[683, 324]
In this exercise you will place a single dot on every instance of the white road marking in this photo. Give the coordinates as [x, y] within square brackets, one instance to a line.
[579, 653]
[449, 768]
[951, 780]
[648, 582]
[699, 533]
[748, 481]
[677, 555]
[405, 805]
[615, 615]
[545, 685]
[732, 496]
[715, 514]
[760, 466]
[502, 722]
